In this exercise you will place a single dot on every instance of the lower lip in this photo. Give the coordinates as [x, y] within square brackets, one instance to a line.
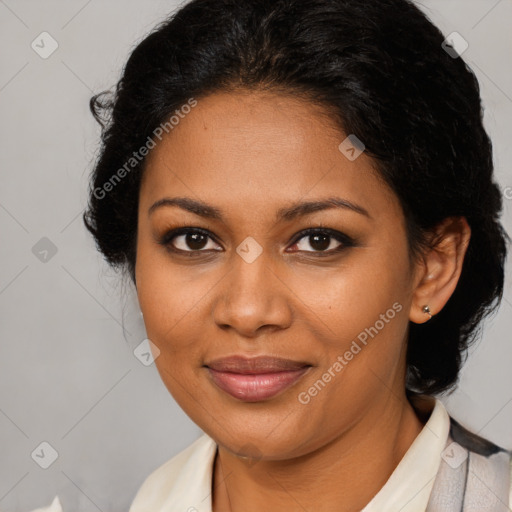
[253, 388]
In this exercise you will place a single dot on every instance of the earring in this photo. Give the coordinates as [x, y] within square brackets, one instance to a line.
[426, 310]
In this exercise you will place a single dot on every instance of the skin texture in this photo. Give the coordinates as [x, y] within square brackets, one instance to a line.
[250, 154]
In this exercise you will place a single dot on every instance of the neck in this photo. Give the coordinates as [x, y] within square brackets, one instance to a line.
[359, 462]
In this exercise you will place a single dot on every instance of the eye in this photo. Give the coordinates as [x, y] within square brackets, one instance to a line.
[191, 240]
[322, 240]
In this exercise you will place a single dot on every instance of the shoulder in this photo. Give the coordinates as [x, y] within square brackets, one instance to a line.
[488, 464]
[472, 441]
[189, 472]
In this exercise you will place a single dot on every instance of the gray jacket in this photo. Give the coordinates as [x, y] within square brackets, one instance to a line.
[474, 475]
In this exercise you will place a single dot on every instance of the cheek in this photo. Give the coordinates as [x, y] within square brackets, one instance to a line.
[380, 319]
[169, 301]
[174, 301]
[360, 314]
[344, 301]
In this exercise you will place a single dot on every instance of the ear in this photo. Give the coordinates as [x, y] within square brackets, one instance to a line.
[438, 273]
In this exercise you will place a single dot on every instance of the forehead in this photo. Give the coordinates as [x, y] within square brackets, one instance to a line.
[259, 150]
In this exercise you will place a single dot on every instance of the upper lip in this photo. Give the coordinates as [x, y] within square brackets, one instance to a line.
[255, 365]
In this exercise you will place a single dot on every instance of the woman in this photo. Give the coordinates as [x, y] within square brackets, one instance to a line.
[302, 192]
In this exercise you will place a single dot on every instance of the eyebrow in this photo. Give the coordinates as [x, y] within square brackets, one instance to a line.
[288, 213]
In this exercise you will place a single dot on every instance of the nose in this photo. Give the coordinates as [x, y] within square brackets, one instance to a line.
[252, 298]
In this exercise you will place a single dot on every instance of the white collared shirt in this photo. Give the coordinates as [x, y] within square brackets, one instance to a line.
[183, 483]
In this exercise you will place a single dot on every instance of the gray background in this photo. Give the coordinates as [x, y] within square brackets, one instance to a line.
[68, 375]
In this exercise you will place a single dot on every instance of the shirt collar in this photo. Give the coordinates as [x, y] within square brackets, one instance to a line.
[409, 486]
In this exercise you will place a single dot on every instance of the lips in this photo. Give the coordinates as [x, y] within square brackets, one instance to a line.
[255, 379]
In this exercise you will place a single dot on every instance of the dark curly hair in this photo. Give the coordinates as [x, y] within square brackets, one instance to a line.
[381, 69]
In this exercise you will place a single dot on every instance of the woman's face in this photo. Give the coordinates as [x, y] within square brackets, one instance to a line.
[250, 283]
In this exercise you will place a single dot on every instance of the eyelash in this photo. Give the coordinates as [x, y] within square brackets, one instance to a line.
[345, 240]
